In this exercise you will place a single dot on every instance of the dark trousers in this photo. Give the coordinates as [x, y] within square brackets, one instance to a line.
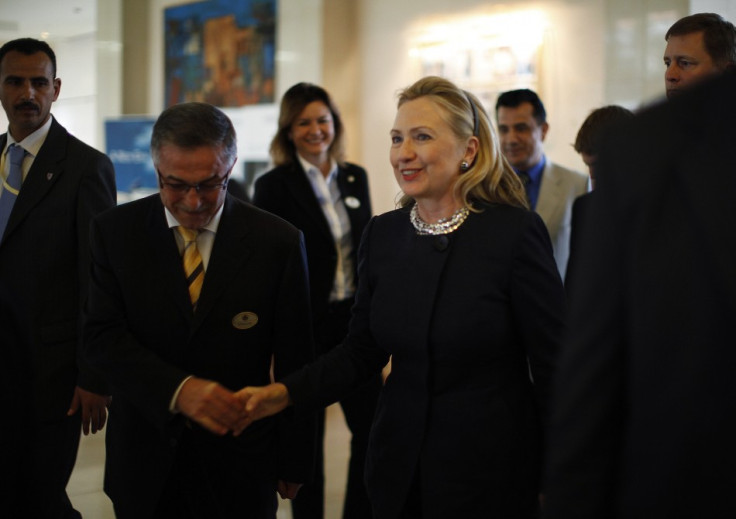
[358, 409]
[45, 462]
[194, 491]
[413, 506]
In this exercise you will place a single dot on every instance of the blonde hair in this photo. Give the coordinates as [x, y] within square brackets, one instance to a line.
[490, 178]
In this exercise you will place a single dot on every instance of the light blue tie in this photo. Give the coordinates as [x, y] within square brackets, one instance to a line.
[11, 185]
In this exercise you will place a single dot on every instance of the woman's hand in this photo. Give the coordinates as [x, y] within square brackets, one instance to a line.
[264, 401]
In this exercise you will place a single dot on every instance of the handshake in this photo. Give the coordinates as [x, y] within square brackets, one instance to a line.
[222, 411]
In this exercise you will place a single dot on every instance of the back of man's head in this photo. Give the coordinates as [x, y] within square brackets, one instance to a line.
[719, 36]
[588, 139]
[514, 98]
[28, 46]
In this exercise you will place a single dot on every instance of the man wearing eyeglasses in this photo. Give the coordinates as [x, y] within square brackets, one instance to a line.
[194, 295]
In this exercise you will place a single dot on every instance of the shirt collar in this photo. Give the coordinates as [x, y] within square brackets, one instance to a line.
[33, 142]
[211, 226]
[535, 172]
[313, 171]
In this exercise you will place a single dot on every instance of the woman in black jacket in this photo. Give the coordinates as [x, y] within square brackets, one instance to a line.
[460, 288]
[328, 200]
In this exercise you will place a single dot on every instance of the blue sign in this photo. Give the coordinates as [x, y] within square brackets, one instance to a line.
[128, 146]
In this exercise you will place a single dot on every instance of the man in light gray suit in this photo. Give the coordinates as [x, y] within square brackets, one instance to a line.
[551, 189]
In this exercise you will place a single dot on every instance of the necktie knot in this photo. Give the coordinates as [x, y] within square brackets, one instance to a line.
[189, 235]
[11, 185]
[16, 154]
[193, 266]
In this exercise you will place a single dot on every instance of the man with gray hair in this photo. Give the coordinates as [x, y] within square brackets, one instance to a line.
[193, 296]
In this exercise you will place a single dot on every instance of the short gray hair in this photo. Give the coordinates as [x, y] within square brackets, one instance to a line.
[193, 125]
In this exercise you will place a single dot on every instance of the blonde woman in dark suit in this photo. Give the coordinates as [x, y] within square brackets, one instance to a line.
[313, 188]
[460, 288]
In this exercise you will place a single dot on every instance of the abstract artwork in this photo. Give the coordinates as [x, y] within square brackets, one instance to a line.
[220, 52]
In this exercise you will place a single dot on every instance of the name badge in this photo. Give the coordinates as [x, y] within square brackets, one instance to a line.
[245, 320]
[352, 202]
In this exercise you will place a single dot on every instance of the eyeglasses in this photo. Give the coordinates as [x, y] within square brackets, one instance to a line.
[183, 188]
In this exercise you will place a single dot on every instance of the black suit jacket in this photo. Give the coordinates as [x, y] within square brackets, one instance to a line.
[578, 222]
[287, 192]
[142, 334]
[464, 317]
[645, 419]
[44, 268]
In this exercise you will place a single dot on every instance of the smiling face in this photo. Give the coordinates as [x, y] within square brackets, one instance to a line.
[203, 165]
[521, 135]
[27, 90]
[687, 62]
[426, 154]
[313, 132]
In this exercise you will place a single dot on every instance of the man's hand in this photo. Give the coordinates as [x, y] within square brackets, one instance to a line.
[94, 409]
[287, 490]
[211, 406]
[261, 402]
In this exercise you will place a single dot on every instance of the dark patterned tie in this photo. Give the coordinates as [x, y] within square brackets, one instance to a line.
[526, 180]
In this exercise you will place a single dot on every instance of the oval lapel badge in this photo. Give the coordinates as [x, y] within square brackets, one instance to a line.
[245, 320]
[352, 202]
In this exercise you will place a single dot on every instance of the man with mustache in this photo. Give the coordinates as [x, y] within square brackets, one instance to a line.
[52, 185]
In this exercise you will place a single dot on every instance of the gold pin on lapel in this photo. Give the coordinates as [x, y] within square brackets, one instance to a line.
[351, 178]
[245, 320]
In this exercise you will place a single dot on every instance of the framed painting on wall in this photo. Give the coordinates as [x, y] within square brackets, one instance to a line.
[220, 52]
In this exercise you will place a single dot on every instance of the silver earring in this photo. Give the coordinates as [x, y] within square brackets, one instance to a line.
[464, 166]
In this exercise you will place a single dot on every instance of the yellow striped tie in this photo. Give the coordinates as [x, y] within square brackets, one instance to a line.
[193, 267]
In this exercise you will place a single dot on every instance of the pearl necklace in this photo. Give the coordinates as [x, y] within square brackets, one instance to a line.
[443, 226]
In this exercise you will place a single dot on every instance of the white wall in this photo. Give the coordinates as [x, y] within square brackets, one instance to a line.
[580, 61]
[571, 76]
[726, 8]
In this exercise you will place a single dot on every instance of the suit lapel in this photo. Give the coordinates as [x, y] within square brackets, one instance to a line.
[230, 251]
[353, 201]
[301, 191]
[162, 247]
[551, 199]
[46, 170]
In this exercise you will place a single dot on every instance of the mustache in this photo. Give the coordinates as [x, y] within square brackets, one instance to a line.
[27, 105]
